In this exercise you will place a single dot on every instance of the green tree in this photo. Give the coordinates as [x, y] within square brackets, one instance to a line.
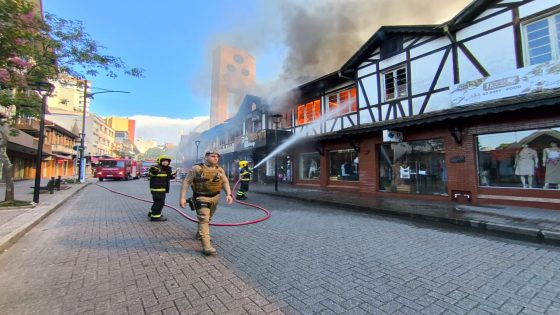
[37, 50]
[152, 153]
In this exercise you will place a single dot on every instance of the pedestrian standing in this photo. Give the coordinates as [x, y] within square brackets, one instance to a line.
[160, 175]
[206, 180]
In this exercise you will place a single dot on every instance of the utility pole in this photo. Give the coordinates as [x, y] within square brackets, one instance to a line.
[82, 156]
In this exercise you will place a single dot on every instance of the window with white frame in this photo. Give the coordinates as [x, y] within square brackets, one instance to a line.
[542, 40]
[343, 102]
[395, 84]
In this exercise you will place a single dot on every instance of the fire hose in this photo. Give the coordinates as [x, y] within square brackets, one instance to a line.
[268, 213]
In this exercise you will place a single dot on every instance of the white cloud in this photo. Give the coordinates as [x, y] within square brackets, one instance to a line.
[166, 129]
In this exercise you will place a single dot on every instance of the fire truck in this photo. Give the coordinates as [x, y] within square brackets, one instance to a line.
[118, 168]
[146, 167]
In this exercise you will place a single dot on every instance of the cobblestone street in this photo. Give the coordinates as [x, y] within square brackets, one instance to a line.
[99, 254]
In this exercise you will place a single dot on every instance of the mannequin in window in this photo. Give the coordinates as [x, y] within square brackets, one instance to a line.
[526, 161]
[312, 168]
[551, 160]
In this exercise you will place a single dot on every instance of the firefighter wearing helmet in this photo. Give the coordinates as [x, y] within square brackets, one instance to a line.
[160, 175]
[206, 180]
[245, 174]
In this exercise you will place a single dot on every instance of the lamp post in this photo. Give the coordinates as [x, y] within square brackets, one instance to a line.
[44, 89]
[276, 121]
[82, 150]
[197, 142]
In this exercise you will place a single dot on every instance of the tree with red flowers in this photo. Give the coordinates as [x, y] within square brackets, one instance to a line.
[33, 49]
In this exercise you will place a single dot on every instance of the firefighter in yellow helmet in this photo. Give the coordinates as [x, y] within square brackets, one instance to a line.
[160, 175]
[206, 180]
[245, 174]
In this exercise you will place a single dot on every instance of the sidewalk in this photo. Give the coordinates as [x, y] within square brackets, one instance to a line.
[532, 223]
[15, 222]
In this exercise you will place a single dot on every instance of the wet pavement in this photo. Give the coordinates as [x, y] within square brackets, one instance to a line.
[531, 223]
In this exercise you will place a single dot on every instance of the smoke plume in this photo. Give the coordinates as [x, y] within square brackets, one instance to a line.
[318, 36]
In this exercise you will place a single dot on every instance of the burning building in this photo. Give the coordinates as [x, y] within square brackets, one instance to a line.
[431, 112]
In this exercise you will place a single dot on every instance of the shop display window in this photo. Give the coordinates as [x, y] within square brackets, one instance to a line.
[343, 165]
[415, 167]
[309, 165]
[527, 159]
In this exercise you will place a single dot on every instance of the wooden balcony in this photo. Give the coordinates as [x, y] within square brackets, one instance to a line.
[28, 125]
[47, 148]
[62, 149]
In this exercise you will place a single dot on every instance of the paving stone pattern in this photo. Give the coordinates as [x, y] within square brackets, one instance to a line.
[99, 254]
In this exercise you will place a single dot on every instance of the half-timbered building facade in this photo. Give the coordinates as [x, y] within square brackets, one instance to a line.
[465, 110]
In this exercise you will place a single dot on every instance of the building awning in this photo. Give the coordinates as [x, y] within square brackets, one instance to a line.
[511, 104]
[57, 157]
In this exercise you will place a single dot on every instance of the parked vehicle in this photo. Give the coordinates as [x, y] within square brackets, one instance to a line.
[117, 168]
[146, 167]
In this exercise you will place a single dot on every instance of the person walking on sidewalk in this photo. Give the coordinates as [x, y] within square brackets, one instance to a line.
[207, 180]
[160, 175]
[245, 174]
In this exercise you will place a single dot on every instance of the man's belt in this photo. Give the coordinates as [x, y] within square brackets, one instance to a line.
[207, 195]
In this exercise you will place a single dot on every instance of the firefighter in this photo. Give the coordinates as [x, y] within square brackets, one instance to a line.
[245, 174]
[160, 175]
[207, 180]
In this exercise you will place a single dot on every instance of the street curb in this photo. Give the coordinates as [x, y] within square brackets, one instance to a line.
[498, 228]
[14, 236]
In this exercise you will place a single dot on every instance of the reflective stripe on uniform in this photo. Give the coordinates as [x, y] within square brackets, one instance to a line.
[157, 189]
[161, 175]
[155, 215]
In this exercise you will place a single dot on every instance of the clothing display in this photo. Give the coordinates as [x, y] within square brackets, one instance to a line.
[552, 164]
[526, 162]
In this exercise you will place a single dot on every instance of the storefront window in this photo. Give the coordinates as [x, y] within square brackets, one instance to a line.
[343, 165]
[520, 159]
[415, 167]
[309, 167]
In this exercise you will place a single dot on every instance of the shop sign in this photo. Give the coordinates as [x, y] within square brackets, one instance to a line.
[532, 79]
[392, 136]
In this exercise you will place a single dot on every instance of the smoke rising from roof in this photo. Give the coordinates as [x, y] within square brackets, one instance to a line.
[322, 35]
[316, 37]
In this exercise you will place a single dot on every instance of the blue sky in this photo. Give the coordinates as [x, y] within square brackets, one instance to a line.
[170, 39]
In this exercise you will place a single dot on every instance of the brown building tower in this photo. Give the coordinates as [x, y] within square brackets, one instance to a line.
[233, 74]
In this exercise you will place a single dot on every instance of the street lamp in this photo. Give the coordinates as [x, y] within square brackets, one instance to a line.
[82, 155]
[44, 89]
[276, 122]
[197, 142]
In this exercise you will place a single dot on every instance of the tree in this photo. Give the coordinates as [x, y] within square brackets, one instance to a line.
[153, 153]
[36, 50]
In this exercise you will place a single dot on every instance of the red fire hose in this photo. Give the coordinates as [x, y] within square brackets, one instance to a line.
[268, 213]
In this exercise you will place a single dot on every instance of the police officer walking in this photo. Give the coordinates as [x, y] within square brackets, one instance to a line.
[160, 175]
[207, 180]
[245, 174]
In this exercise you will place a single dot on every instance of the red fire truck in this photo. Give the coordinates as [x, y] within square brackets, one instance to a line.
[117, 168]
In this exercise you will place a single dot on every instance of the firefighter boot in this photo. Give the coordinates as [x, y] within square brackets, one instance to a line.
[160, 218]
[207, 248]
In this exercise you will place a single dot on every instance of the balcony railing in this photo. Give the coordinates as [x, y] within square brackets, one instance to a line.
[258, 139]
[28, 125]
[47, 148]
[59, 148]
